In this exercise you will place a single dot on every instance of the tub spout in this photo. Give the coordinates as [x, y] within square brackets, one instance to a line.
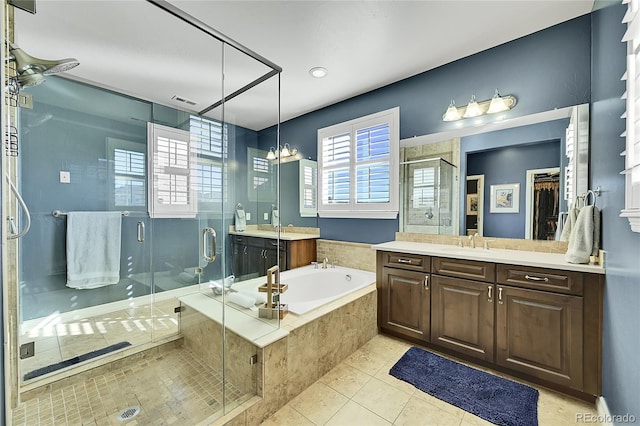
[324, 263]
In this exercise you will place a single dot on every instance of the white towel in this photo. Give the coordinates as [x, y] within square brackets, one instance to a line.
[241, 219]
[93, 249]
[258, 297]
[584, 240]
[241, 300]
[570, 222]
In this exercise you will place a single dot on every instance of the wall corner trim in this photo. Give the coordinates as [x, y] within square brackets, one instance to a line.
[603, 411]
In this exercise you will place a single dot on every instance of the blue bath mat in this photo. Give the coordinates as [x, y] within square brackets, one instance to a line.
[75, 360]
[493, 398]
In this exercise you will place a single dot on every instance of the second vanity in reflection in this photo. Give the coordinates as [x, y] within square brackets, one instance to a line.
[254, 251]
[528, 313]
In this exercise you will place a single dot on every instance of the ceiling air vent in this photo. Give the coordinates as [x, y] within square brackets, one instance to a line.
[183, 100]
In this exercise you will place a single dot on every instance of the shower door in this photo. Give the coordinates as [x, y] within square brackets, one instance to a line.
[81, 160]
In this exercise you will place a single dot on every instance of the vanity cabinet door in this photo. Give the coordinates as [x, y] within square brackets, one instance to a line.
[540, 334]
[271, 256]
[239, 258]
[462, 316]
[405, 303]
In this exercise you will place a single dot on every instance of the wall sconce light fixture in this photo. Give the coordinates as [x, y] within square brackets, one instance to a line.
[285, 154]
[474, 108]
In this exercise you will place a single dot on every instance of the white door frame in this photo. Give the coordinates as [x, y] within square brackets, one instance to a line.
[528, 218]
[480, 179]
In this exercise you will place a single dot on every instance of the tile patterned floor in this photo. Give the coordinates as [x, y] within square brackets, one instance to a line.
[174, 388]
[58, 341]
[359, 391]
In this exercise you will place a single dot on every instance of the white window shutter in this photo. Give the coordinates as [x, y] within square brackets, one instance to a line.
[172, 165]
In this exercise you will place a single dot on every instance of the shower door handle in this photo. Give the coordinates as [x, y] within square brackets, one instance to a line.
[209, 244]
[141, 232]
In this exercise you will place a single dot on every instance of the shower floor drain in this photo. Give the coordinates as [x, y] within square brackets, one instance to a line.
[128, 413]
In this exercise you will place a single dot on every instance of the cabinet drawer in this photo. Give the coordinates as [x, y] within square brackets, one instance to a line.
[568, 282]
[269, 243]
[406, 261]
[468, 269]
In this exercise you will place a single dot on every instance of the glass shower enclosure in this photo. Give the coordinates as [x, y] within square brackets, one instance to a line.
[163, 173]
[427, 196]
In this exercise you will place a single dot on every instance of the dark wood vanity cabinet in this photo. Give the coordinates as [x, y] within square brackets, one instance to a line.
[542, 324]
[252, 256]
[541, 334]
[462, 306]
[462, 316]
[404, 295]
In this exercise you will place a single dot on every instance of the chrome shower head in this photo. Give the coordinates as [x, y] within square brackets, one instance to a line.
[30, 70]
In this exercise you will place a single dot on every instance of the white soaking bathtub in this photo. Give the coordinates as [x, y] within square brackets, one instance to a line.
[310, 288]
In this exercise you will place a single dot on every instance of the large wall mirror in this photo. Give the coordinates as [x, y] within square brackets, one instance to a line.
[509, 179]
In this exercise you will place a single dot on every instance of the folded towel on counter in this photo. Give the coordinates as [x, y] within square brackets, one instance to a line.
[584, 240]
[259, 298]
[241, 300]
[93, 249]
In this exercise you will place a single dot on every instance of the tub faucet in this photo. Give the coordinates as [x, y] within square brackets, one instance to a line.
[324, 263]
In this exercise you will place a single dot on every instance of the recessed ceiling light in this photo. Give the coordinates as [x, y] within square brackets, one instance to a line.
[318, 72]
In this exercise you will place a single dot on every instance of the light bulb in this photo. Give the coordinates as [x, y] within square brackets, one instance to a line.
[285, 151]
[271, 155]
[473, 109]
[452, 113]
[497, 104]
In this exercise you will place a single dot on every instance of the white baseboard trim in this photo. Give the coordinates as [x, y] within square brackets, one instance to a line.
[603, 411]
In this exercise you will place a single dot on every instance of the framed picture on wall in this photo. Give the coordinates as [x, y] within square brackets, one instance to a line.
[472, 204]
[505, 198]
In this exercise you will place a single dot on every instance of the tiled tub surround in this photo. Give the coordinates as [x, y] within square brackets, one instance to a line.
[291, 358]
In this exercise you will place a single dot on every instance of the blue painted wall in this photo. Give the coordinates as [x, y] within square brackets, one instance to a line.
[621, 366]
[76, 141]
[545, 70]
[509, 165]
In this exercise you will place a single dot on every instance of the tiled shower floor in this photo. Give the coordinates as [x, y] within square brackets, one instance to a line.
[57, 340]
[173, 388]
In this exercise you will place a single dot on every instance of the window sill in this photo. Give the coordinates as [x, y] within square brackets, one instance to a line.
[359, 214]
[634, 218]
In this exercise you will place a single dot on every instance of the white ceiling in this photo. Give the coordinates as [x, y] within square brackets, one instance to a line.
[136, 48]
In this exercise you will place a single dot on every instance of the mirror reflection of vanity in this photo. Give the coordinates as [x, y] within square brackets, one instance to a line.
[512, 178]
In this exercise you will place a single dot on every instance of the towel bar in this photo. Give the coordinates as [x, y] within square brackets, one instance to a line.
[58, 213]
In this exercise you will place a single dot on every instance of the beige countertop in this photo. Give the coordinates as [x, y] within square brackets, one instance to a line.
[512, 257]
[286, 236]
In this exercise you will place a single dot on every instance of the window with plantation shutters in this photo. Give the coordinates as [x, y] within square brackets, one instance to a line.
[424, 187]
[260, 179]
[172, 172]
[210, 145]
[308, 188]
[127, 174]
[358, 167]
[632, 115]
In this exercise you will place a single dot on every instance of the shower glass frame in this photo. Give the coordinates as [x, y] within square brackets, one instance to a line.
[155, 235]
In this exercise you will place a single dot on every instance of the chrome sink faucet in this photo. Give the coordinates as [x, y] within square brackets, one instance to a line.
[472, 240]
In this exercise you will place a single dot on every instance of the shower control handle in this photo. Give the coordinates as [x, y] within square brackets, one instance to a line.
[209, 244]
[141, 232]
